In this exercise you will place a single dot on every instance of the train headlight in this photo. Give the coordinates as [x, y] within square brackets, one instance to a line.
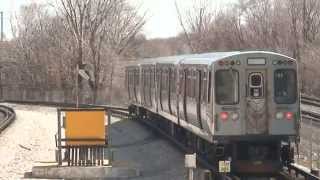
[235, 116]
[279, 115]
[289, 115]
[224, 116]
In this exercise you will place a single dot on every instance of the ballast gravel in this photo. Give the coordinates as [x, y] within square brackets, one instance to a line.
[30, 138]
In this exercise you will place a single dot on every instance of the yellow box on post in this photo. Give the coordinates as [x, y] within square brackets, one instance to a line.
[85, 127]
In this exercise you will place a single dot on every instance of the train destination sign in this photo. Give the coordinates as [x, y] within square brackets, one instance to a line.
[256, 61]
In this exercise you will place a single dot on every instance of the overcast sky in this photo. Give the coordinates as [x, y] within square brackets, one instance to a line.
[162, 18]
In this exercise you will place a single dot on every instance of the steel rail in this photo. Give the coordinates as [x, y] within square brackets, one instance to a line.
[310, 100]
[299, 171]
[9, 117]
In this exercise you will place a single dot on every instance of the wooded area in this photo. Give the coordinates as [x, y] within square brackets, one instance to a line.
[50, 40]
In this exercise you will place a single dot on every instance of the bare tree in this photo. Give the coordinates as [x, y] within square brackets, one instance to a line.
[75, 12]
[96, 17]
[101, 26]
[196, 24]
[310, 19]
[182, 24]
[123, 28]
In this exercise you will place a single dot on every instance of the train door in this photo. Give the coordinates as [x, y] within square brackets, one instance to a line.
[256, 102]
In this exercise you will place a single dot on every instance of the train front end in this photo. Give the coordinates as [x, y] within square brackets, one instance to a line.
[256, 111]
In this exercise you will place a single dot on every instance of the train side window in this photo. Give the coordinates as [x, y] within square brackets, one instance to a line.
[227, 87]
[136, 83]
[209, 87]
[168, 80]
[142, 86]
[193, 85]
[127, 83]
[145, 85]
[152, 79]
[172, 80]
[190, 84]
[137, 78]
[197, 84]
[187, 81]
[132, 82]
[182, 82]
[163, 80]
[285, 86]
[158, 77]
[203, 86]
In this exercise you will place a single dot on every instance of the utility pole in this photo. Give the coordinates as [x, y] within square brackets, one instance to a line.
[1, 13]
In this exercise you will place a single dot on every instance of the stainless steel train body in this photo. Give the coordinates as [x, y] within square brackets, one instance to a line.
[246, 103]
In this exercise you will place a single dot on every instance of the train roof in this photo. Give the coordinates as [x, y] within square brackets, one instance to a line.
[204, 58]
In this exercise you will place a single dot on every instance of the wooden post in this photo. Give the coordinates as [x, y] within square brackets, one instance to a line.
[77, 86]
[59, 138]
[110, 153]
[190, 173]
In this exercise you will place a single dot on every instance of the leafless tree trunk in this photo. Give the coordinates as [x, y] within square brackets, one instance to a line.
[188, 39]
[75, 11]
[294, 13]
[310, 20]
[124, 26]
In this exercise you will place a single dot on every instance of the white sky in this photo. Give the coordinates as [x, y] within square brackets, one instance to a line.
[10, 7]
[162, 20]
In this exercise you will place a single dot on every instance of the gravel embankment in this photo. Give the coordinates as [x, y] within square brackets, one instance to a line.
[30, 138]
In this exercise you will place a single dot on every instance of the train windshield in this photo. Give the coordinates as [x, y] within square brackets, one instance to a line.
[285, 86]
[227, 87]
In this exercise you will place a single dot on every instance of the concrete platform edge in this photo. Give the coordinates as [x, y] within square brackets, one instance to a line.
[52, 172]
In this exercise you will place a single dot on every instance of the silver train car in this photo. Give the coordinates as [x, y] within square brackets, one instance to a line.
[240, 107]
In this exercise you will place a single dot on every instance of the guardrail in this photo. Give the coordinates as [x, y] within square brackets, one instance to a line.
[305, 96]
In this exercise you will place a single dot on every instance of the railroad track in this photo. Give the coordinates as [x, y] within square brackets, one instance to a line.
[9, 116]
[117, 111]
[310, 100]
[308, 116]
